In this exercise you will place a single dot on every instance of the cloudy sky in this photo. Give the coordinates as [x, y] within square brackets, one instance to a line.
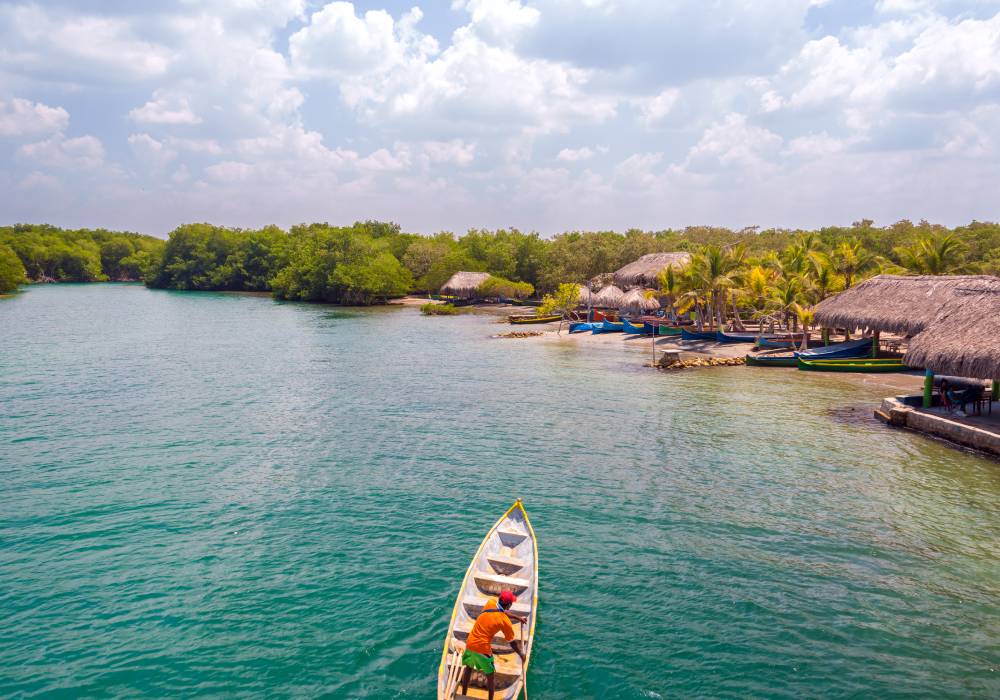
[547, 115]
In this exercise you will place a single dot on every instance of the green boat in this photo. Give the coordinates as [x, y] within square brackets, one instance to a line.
[891, 364]
[764, 360]
[668, 330]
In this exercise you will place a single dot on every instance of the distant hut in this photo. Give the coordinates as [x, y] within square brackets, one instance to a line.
[610, 297]
[645, 272]
[636, 300]
[586, 296]
[894, 303]
[464, 285]
[963, 339]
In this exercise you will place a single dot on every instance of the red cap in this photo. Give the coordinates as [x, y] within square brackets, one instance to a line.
[507, 598]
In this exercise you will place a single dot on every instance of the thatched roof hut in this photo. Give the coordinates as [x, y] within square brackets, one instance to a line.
[637, 300]
[964, 339]
[586, 296]
[645, 272]
[464, 284]
[894, 303]
[610, 297]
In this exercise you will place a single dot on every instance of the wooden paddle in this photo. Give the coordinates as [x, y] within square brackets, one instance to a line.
[524, 675]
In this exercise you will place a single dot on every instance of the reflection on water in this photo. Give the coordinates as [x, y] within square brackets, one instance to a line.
[208, 494]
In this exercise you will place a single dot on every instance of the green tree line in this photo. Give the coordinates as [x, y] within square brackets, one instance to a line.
[50, 254]
[371, 261]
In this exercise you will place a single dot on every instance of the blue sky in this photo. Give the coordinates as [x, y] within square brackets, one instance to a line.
[547, 115]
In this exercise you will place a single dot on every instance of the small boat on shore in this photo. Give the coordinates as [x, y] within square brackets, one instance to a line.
[668, 330]
[697, 335]
[507, 560]
[628, 327]
[731, 337]
[532, 319]
[581, 326]
[782, 358]
[851, 349]
[869, 365]
[607, 327]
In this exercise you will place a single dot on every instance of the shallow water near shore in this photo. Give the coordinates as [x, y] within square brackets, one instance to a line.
[208, 494]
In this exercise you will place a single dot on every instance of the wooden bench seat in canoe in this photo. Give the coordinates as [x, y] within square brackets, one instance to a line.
[494, 584]
[474, 605]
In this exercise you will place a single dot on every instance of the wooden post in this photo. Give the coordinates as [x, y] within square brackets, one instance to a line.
[875, 337]
[928, 388]
[826, 336]
[996, 390]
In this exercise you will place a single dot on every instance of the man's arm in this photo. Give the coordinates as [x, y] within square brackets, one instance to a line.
[518, 649]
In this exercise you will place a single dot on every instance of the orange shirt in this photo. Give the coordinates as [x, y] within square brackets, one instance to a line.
[487, 625]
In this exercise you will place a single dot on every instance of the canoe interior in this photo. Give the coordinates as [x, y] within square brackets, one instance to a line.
[506, 560]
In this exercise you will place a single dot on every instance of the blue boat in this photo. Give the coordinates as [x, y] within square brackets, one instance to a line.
[581, 326]
[607, 327]
[697, 335]
[852, 349]
[632, 328]
[726, 337]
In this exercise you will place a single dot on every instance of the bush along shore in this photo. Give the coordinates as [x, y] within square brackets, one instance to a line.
[370, 262]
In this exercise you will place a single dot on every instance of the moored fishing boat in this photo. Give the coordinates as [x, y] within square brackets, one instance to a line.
[629, 327]
[850, 349]
[581, 326]
[668, 330]
[533, 319]
[731, 337]
[507, 560]
[767, 359]
[891, 364]
[697, 335]
[607, 327]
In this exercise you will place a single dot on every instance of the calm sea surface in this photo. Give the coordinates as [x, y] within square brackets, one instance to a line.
[211, 494]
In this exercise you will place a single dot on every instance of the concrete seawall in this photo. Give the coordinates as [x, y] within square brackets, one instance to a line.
[898, 411]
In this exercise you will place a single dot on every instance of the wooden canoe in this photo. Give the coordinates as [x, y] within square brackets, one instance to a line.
[893, 364]
[507, 559]
[533, 319]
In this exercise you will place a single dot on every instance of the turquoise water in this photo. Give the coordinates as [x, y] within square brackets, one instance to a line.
[208, 494]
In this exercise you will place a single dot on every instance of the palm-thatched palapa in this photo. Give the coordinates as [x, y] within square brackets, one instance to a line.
[895, 303]
[639, 300]
[964, 338]
[645, 272]
[586, 296]
[609, 298]
[464, 285]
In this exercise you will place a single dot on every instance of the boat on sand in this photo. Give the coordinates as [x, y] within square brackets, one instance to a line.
[507, 560]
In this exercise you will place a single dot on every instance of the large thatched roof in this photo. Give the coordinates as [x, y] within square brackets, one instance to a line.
[964, 338]
[636, 300]
[464, 284]
[586, 295]
[609, 298]
[895, 303]
[645, 271]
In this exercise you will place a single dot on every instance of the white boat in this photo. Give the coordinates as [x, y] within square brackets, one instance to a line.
[507, 560]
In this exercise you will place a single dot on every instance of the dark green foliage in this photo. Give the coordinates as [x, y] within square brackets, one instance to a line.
[439, 310]
[62, 255]
[11, 270]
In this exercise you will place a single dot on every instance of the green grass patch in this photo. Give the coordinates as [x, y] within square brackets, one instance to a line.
[439, 310]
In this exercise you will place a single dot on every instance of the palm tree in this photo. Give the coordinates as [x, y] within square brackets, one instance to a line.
[849, 259]
[825, 282]
[803, 255]
[806, 317]
[713, 271]
[670, 287]
[786, 295]
[933, 255]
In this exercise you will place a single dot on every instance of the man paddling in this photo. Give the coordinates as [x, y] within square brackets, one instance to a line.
[478, 654]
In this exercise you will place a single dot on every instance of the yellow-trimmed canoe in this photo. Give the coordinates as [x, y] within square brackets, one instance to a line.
[533, 319]
[507, 560]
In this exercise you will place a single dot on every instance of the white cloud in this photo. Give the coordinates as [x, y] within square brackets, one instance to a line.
[36, 180]
[19, 117]
[455, 151]
[83, 152]
[165, 108]
[654, 109]
[734, 147]
[76, 48]
[575, 154]
[150, 151]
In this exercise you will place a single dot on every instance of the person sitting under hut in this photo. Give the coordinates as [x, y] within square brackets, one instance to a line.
[955, 398]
